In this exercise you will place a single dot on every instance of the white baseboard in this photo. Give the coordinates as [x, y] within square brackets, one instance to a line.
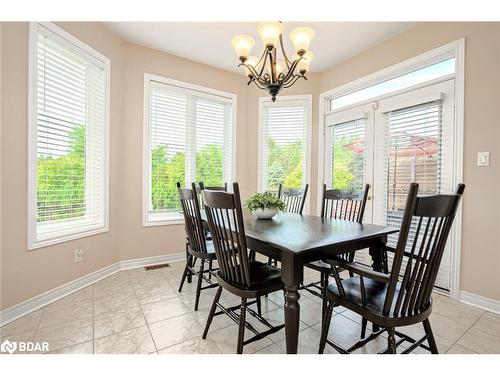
[476, 300]
[21, 309]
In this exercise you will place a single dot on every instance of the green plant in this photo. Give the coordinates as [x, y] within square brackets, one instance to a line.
[265, 200]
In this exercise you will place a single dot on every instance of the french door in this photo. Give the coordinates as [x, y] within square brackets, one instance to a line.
[389, 143]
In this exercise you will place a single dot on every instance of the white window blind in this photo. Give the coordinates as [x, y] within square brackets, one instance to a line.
[413, 154]
[284, 136]
[348, 155]
[69, 125]
[189, 140]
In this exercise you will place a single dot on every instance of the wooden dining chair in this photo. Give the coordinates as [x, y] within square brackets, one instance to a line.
[402, 297]
[342, 205]
[293, 198]
[197, 245]
[238, 274]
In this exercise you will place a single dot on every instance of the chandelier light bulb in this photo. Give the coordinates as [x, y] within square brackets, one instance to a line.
[242, 44]
[270, 33]
[301, 38]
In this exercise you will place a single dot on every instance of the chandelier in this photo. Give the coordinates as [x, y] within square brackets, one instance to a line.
[268, 72]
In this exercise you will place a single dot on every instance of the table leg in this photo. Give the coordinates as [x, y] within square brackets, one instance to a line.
[292, 275]
[376, 252]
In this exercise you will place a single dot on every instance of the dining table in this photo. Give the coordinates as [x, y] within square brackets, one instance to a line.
[296, 240]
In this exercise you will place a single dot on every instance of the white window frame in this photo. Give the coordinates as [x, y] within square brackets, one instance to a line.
[455, 50]
[148, 77]
[308, 141]
[33, 243]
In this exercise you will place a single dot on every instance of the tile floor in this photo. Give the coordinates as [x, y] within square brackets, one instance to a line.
[138, 311]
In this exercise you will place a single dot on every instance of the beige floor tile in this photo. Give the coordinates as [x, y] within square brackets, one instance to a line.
[58, 312]
[489, 323]
[447, 308]
[276, 318]
[161, 310]
[142, 273]
[115, 302]
[206, 298]
[343, 331]
[117, 283]
[443, 346]
[310, 311]
[65, 334]
[450, 329]
[218, 322]
[175, 330]
[194, 346]
[226, 340]
[117, 321]
[22, 329]
[154, 293]
[85, 294]
[480, 342]
[308, 343]
[135, 341]
[83, 348]
[459, 349]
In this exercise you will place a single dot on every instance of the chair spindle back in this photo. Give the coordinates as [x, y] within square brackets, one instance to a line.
[344, 204]
[225, 220]
[433, 217]
[293, 198]
[192, 218]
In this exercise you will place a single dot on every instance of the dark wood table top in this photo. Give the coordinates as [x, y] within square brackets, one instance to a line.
[300, 234]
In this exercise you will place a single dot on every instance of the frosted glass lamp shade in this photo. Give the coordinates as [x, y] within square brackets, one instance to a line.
[301, 38]
[270, 33]
[242, 44]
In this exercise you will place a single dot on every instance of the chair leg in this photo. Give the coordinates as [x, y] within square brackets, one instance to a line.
[210, 268]
[364, 323]
[198, 286]
[241, 330]
[325, 326]
[259, 306]
[430, 339]
[391, 341]
[188, 262]
[185, 273]
[212, 312]
[324, 287]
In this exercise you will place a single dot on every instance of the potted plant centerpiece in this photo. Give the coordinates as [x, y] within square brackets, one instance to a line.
[265, 205]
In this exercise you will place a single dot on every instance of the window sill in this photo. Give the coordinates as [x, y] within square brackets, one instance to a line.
[160, 223]
[69, 237]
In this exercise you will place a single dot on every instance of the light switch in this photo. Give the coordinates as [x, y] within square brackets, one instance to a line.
[483, 159]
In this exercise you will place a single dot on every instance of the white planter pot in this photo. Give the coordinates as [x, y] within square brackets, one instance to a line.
[264, 213]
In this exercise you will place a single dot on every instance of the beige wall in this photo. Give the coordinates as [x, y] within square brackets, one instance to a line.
[26, 274]
[480, 261]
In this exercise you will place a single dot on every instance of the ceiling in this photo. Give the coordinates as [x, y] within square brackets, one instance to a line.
[210, 42]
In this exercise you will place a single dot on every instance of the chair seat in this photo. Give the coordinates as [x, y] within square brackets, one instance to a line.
[264, 279]
[263, 275]
[375, 297]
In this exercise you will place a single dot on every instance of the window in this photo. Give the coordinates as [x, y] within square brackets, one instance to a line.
[188, 138]
[426, 74]
[68, 137]
[284, 142]
[348, 155]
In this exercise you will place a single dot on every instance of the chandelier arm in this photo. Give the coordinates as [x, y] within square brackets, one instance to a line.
[287, 60]
[274, 78]
[292, 81]
[255, 74]
[291, 71]
[264, 63]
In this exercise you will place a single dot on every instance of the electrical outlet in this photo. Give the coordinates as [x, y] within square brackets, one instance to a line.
[78, 255]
